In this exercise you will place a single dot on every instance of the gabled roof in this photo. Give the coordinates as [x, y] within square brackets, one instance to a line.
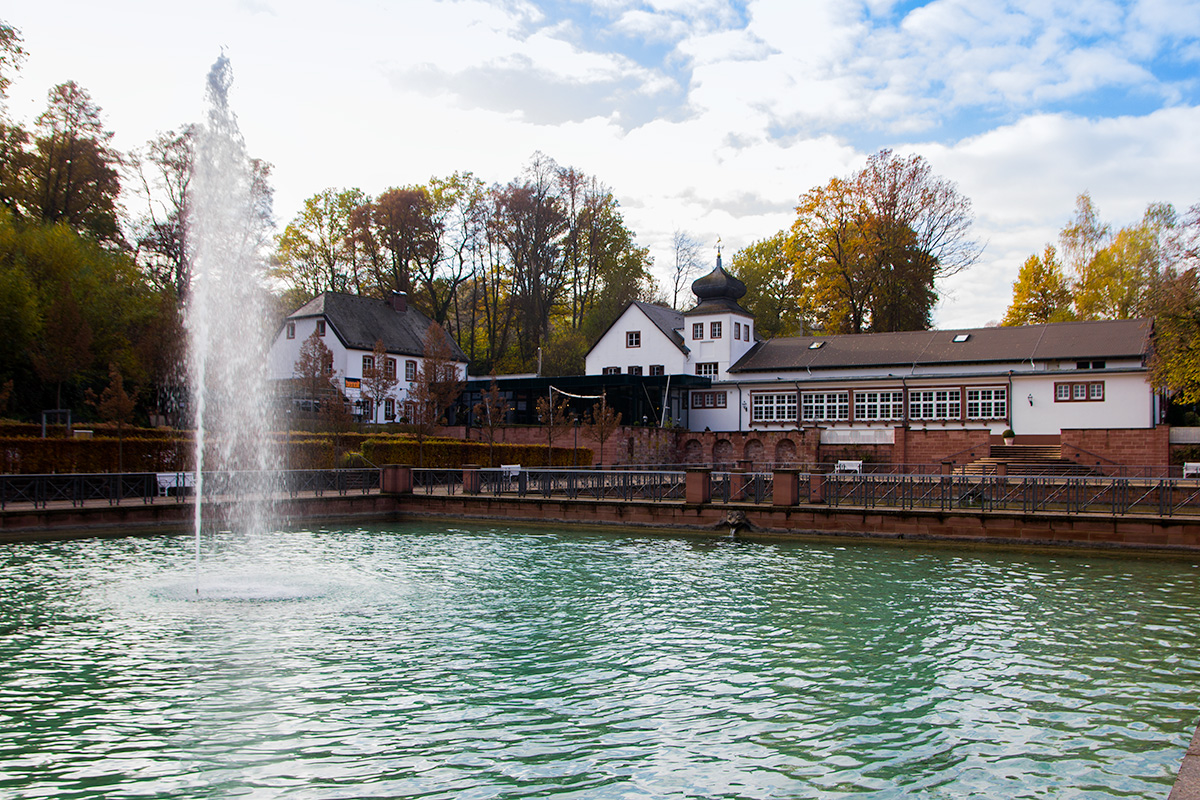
[666, 320]
[359, 321]
[1062, 341]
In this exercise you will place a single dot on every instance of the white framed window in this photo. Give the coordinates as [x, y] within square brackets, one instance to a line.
[878, 405]
[634, 370]
[822, 406]
[708, 399]
[773, 407]
[990, 403]
[389, 367]
[1079, 392]
[934, 404]
[389, 408]
[611, 371]
[633, 338]
[698, 330]
[737, 331]
[714, 330]
[291, 330]
[410, 370]
[707, 369]
[657, 369]
[368, 365]
[320, 327]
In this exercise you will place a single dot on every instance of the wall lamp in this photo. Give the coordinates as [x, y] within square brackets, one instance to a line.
[1031, 399]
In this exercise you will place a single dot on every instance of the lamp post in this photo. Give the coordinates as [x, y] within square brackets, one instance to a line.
[576, 440]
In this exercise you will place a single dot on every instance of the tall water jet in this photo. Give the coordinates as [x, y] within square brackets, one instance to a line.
[232, 400]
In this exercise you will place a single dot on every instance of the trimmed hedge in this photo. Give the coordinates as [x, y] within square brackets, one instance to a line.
[143, 451]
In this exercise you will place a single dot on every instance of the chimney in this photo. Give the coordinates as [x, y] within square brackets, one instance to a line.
[399, 302]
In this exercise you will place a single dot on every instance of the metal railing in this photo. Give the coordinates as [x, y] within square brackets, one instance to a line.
[654, 485]
[149, 487]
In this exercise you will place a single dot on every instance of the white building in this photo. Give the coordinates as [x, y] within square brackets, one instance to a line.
[1036, 380]
[349, 326]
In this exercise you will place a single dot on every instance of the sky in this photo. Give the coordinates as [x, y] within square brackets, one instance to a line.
[708, 116]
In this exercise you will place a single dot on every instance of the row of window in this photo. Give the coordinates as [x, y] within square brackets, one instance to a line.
[389, 367]
[634, 369]
[835, 406]
[1079, 391]
[708, 399]
[741, 331]
[291, 329]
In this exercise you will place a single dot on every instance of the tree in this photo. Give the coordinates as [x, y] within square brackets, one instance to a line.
[163, 168]
[11, 55]
[379, 378]
[871, 248]
[314, 251]
[492, 412]
[436, 387]
[1040, 293]
[602, 422]
[554, 417]
[64, 349]
[685, 262]
[1175, 363]
[774, 293]
[115, 405]
[314, 372]
[72, 175]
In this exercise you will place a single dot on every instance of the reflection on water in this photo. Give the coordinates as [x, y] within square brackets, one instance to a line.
[411, 662]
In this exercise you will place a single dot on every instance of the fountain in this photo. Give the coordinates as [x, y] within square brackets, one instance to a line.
[227, 312]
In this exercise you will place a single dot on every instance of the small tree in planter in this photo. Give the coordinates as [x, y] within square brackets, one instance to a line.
[1008, 436]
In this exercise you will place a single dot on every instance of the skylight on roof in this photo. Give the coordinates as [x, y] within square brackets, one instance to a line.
[815, 345]
[962, 337]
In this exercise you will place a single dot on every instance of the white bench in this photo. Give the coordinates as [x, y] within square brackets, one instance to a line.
[174, 480]
[510, 470]
[1191, 469]
[849, 466]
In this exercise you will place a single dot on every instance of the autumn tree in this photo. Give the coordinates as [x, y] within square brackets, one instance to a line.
[871, 248]
[1175, 363]
[314, 251]
[554, 416]
[115, 405]
[72, 171]
[314, 374]
[378, 378]
[11, 55]
[64, 349]
[436, 387]
[492, 412]
[774, 293]
[602, 422]
[1041, 292]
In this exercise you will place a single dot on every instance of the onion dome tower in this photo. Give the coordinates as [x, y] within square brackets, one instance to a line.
[718, 291]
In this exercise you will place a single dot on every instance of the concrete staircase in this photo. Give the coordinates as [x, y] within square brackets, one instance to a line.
[1026, 459]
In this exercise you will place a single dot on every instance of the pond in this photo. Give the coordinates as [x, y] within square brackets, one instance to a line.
[503, 662]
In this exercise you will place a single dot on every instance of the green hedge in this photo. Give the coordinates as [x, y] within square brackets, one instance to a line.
[143, 452]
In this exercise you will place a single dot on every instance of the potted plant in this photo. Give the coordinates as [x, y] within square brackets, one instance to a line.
[1008, 436]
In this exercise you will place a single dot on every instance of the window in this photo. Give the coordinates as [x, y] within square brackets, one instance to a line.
[746, 332]
[815, 345]
[320, 327]
[708, 399]
[773, 407]
[634, 370]
[291, 330]
[657, 369]
[1079, 391]
[410, 370]
[715, 330]
[987, 403]
[737, 331]
[611, 371]
[698, 330]
[368, 365]
[878, 405]
[389, 408]
[935, 404]
[1089, 365]
[389, 367]
[962, 337]
[633, 339]
[707, 369]
[819, 406]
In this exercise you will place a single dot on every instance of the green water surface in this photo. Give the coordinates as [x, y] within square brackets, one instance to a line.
[411, 661]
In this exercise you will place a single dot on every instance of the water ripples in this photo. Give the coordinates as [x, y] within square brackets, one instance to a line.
[409, 662]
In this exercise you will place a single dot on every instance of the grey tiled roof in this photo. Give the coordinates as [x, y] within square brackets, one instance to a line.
[1063, 341]
[666, 320]
[359, 321]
